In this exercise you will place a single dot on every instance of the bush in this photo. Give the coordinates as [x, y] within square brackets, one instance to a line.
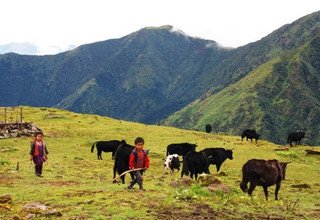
[4, 161]
[289, 154]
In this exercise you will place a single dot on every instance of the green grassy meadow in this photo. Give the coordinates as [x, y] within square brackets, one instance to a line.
[80, 186]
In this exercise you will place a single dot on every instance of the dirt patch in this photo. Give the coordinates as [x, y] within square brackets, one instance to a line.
[193, 211]
[182, 182]
[82, 193]
[7, 180]
[62, 183]
[301, 186]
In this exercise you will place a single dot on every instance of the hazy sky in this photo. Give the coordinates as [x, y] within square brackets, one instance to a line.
[74, 22]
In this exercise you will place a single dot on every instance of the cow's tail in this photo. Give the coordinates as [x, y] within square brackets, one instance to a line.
[92, 148]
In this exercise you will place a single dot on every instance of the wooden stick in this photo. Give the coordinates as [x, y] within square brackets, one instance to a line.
[124, 173]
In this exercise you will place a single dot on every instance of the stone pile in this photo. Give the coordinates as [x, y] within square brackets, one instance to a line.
[14, 130]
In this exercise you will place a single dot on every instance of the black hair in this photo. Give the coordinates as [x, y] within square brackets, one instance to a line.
[37, 133]
[138, 140]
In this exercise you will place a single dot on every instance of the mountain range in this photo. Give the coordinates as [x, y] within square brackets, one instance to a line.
[160, 75]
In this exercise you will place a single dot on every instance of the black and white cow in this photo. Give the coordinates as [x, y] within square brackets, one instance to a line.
[172, 162]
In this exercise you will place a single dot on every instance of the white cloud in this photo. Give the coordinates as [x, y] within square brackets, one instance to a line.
[64, 22]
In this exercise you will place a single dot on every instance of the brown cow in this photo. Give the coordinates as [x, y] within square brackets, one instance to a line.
[263, 173]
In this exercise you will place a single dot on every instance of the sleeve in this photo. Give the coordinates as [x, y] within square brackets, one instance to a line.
[131, 161]
[147, 161]
[32, 148]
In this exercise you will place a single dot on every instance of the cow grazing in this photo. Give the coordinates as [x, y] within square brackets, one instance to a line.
[106, 146]
[296, 137]
[180, 148]
[250, 134]
[263, 173]
[208, 128]
[121, 161]
[217, 156]
[195, 163]
[172, 162]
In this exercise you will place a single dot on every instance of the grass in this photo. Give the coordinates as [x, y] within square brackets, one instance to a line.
[79, 185]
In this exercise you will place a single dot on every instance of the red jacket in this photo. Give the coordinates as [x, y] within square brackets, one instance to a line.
[138, 159]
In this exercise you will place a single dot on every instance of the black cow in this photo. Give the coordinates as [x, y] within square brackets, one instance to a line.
[296, 137]
[263, 173]
[250, 134]
[217, 156]
[172, 162]
[181, 148]
[195, 163]
[121, 161]
[106, 146]
[208, 128]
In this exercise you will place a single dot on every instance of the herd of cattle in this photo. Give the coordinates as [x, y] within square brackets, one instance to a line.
[263, 173]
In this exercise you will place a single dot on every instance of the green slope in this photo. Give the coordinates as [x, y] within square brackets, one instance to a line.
[79, 186]
[278, 97]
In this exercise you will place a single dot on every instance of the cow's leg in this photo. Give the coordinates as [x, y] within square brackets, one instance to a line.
[196, 176]
[277, 190]
[290, 143]
[218, 165]
[252, 187]
[251, 140]
[123, 179]
[112, 156]
[114, 172]
[99, 155]
[265, 189]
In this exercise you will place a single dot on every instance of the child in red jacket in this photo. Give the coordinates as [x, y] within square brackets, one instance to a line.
[38, 153]
[138, 159]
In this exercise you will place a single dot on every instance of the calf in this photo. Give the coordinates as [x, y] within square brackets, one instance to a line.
[121, 161]
[296, 137]
[195, 163]
[106, 146]
[172, 162]
[250, 134]
[217, 156]
[180, 148]
[263, 173]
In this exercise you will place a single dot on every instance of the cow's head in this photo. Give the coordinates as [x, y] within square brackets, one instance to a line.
[302, 134]
[230, 153]
[283, 166]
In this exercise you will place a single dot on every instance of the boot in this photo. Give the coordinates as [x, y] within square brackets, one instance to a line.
[131, 184]
[141, 187]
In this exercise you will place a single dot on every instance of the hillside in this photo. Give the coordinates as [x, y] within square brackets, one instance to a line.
[79, 186]
[148, 75]
[276, 98]
[144, 76]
